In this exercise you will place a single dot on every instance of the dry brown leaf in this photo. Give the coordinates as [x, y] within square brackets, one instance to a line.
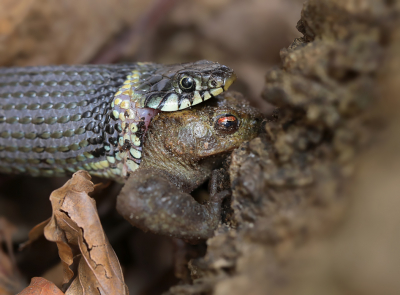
[90, 264]
[98, 187]
[35, 233]
[41, 286]
[10, 280]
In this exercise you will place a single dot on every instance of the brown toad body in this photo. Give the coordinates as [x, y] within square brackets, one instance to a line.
[180, 152]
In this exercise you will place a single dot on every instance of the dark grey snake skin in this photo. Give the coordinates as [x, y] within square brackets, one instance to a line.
[55, 120]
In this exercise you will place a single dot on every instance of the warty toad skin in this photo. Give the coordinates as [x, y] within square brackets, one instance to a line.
[180, 153]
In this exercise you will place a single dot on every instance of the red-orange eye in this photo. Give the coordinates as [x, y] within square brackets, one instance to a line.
[227, 124]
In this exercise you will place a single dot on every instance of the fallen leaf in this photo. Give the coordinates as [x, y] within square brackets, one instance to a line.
[41, 286]
[89, 262]
[98, 187]
[35, 233]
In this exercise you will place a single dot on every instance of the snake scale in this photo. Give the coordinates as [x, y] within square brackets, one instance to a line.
[55, 120]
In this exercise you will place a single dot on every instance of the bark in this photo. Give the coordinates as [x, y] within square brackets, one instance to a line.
[315, 198]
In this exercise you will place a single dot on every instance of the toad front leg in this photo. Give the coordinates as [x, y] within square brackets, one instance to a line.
[151, 202]
[180, 152]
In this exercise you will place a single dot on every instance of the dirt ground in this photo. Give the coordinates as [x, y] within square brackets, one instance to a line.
[314, 198]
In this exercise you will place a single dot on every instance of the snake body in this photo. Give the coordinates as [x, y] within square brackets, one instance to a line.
[55, 120]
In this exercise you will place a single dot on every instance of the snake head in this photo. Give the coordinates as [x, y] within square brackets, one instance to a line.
[179, 86]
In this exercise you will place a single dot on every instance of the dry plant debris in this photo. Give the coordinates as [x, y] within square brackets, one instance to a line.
[41, 286]
[89, 262]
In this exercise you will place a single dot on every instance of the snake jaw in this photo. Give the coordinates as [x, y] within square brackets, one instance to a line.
[229, 81]
[164, 91]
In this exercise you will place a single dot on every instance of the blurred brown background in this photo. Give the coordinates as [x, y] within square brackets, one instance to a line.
[243, 34]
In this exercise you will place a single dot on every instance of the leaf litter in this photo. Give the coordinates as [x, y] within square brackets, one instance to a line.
[89, 262]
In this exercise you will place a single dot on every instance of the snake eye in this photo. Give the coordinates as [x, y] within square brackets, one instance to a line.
[227, 124]
[187, 84]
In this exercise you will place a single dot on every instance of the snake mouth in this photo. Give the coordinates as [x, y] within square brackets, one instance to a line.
[229, 81]
[170, 95]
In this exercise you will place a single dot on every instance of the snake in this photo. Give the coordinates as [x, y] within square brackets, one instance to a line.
[56, 120]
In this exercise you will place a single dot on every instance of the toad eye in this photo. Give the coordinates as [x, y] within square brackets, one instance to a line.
[227, 124]
[187, 84]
